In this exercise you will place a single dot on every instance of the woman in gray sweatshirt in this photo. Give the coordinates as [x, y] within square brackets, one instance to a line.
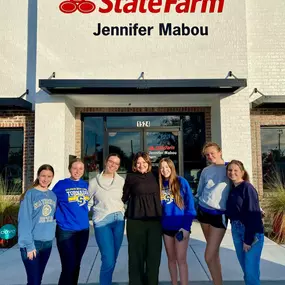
[36, 225]
[213, 191]
[106, 190]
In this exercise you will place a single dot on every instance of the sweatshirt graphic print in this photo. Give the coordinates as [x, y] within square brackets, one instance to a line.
[36, 218]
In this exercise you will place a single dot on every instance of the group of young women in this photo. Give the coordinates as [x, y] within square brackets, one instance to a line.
[154, 205]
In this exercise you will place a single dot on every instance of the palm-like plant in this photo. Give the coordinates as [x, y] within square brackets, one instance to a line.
[276, 207]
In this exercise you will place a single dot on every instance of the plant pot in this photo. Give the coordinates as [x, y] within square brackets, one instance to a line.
[278, 227]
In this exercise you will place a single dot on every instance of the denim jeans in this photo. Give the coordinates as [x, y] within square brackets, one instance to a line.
[71, 247]
[109, 236]
[35, 268]
[249, 261]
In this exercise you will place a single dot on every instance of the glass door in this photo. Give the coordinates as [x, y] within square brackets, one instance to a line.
[125, 143]
[162, 143]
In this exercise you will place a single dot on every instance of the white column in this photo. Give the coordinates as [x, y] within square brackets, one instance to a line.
[54, 135]
[231, 127]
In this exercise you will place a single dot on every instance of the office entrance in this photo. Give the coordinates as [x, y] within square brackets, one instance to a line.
[179, 137]
[158, 142]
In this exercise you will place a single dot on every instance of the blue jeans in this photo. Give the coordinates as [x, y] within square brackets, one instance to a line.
[71, 247]
[109, 236]
[249, 261]
[35, 268]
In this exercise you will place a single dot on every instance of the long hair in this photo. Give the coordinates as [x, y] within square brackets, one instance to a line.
[145, 156]
[174, 184]
[37, 182]
[245, 176]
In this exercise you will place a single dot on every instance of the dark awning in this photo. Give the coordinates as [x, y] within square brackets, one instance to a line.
[15, 103]
[269, 101]
[143, 86]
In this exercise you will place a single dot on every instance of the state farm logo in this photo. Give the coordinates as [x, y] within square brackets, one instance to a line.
[143, 6]
[82, 6]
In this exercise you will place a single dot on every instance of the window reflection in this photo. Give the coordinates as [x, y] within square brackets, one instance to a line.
[93, 146]
[11, 160]
[273, 153]
[193, 141]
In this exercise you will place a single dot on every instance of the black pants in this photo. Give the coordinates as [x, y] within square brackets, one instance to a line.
[71, 246]
[144, 244]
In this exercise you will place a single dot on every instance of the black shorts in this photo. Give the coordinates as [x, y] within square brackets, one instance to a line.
[170, 233]
[217, 221]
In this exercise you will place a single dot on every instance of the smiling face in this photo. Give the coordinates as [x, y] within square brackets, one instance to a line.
[213, 155]
[76, 170]
[165, 170]
[141, 165]
[112, 164]
[45, 178]
[234, 173]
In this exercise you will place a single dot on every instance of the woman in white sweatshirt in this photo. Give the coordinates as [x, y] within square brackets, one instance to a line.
[106, 190]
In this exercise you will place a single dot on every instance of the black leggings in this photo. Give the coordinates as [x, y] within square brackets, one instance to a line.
[71, 246]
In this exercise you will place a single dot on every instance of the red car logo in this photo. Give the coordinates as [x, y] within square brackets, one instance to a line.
[70, 6]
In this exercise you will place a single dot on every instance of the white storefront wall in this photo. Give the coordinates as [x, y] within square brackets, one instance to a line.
[66, 45]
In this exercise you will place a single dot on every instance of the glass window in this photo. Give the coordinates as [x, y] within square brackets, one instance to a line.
[193, 141]
[93, 142]
[273, 153]
[142, 121]
[11, 161]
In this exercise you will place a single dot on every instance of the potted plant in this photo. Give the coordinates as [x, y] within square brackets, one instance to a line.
[276, 207]
[9, 208]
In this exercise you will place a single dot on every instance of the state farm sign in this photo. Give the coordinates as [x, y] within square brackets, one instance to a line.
[142, 6]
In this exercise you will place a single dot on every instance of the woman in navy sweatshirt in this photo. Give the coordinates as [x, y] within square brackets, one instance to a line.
[178, 212]
[72, 232]
[36, 228]
[246, 218]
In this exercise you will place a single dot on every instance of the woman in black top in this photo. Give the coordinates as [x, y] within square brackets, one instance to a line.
[143, 213]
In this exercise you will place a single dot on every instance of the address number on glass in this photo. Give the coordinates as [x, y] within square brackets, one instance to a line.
[143, 124]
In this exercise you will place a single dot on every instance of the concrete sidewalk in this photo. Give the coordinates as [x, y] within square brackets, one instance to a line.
[12, 271]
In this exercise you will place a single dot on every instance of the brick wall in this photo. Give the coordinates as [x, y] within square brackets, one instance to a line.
[262, 117]
[136, 111]
[25, 120]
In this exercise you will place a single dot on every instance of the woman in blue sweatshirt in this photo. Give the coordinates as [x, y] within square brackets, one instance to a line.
[36, 225]
[72, 231]
[246, 219]
[178, 212]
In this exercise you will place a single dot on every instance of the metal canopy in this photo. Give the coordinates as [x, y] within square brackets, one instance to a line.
[269, 101]
[143, 86]
[15, 103]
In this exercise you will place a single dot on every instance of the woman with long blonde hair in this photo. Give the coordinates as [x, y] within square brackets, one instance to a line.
[178, 212]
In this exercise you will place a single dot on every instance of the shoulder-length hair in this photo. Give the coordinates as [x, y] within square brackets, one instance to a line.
[146, 158]
[174, 184]
[240, 165]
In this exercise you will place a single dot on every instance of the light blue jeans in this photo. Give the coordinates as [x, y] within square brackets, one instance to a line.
[109, 236]
[249, 261]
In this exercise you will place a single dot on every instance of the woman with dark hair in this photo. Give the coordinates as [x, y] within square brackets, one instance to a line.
[212, 194]
[106, 190]
[178, 212]
[72, 231]
[36, 225]
[141, 192]
[246, 219]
